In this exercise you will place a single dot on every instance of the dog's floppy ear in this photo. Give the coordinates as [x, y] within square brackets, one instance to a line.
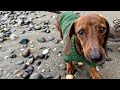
[106, 36]
[67, 48]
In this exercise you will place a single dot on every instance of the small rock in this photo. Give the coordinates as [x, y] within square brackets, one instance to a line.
[31, 56]
[22, 49]
[59, 53]
[24, 41]
[97, 68]
[36, 76]
[46, 51]
[24, 66]
[13, 37]
[13, 55]
[57, 77]
[31, 60]
[19, 62]
[43, 70]
[53, 16]
[24, 45]
[48, 31]
[70, 76]
[28, 63]
[41, 39]
[26, 53]
[1, 40]
[23, 32]
[19, 75]
[46, 56]
[61, 42]
[49, 38]
[2, 35]
[31, 46]
[54, 49]
[62, 66]
[25, 75]
[38, 27]
[80, 63]
[20, 21]
[29, 69]
[43, 30]
[16, 72]
[46, 22]
[57, 41]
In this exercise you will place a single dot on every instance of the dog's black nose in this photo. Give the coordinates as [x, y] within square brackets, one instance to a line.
[95, 57]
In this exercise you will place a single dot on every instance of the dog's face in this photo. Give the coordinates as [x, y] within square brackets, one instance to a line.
[92, 30]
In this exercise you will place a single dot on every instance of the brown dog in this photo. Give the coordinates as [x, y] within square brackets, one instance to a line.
[90, 32]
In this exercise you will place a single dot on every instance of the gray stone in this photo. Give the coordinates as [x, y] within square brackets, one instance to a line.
[24, 41]
[25, 75]
[48, 31]
[29, 69]
[31, 60]
[41, 39]
[31, 56]
[57, 77]
[36, 76]
[1, 35]
[49, 38]
[20, 21]
[19, 62]
[24, 66]
[23, 32]
[13, 36]
[1, 40]
[13, 55]
[38, 27]
[26, 53]
[46, 51]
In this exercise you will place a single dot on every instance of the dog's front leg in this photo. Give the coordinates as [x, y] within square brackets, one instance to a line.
[70, 68]
[94, 73]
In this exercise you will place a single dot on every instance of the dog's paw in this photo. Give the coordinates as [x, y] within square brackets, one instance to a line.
[96, 76]
[71, 70]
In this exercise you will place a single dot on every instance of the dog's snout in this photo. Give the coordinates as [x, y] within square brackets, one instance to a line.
[95, 57]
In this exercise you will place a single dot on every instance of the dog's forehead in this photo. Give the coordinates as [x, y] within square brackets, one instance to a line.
[91, 18]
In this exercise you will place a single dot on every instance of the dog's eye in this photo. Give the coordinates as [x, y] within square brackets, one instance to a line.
[81, 32]
[102, 30]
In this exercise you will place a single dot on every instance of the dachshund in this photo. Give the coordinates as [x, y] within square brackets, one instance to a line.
[84, 39]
